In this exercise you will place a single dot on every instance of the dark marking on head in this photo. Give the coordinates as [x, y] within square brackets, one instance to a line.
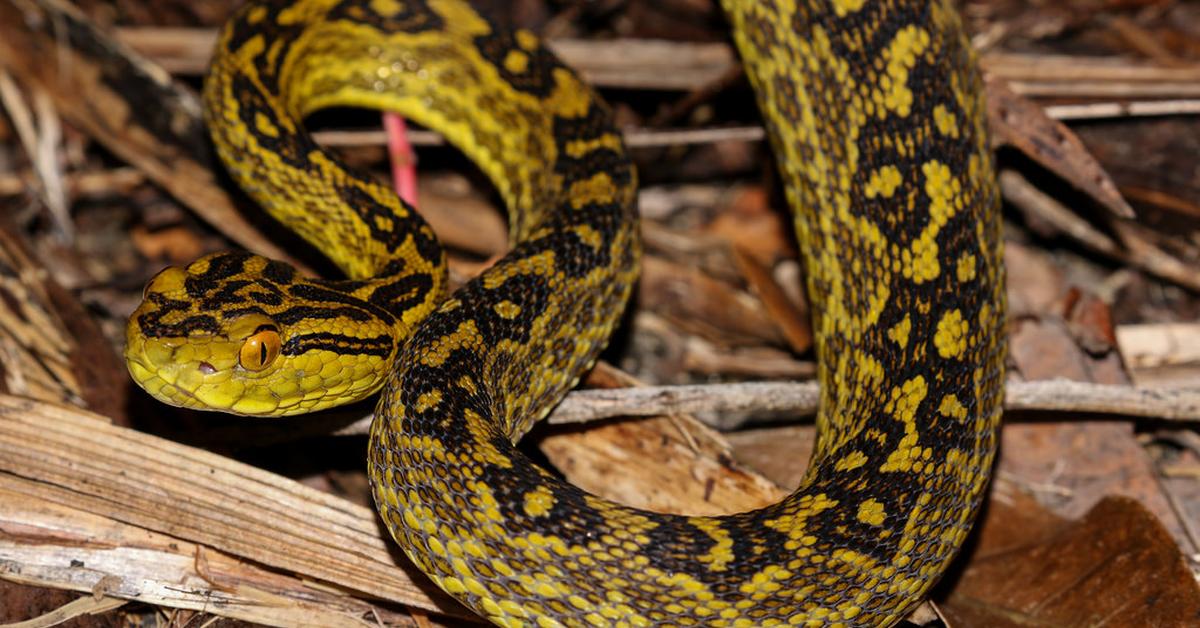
[298, 313]
[380, 346]
[279, 272]
[224, 296]
[413, 16]
[310, 292]
[220, 267]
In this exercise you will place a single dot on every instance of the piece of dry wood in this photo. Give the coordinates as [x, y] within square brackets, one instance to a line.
[49, 43]
[1171, 201]
[1105, 89]
[1052, 67]
[698, 303]
[666, 464]
[791, 321]
[1142, 108]
[1144, 42]
[55, 545]
[1027, 197]
[1144, 251]
[78, 460]
[1162, 354]
[1159, 344]
[69, 457]
[40, 133]
[704, 358]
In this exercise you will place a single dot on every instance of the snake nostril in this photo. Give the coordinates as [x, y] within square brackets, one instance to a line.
[207, 368]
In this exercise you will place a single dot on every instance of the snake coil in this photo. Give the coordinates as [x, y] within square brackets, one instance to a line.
[875, 113]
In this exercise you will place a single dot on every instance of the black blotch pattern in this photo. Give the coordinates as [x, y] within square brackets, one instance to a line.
[373, 213]
[538, 75]
[293, 149]
[402, 294]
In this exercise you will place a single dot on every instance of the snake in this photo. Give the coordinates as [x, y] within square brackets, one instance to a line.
[876, 118]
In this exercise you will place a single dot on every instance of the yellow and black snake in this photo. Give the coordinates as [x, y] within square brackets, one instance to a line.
[876, 115]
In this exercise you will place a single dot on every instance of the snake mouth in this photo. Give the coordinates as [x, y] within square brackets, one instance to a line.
[156, 385]
[165, 381]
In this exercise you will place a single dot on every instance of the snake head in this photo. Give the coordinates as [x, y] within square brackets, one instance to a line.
[240, 333]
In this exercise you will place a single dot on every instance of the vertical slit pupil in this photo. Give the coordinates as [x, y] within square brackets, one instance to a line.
[262, 353]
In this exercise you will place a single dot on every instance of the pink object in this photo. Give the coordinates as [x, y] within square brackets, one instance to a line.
[404, 160]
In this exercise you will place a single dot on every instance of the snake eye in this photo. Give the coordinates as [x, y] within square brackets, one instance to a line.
[260, 349]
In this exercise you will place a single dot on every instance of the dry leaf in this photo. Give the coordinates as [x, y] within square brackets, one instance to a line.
[1116, 566]
[1019, 122]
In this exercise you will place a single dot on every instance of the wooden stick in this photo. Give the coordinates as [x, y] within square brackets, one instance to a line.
[786, 401]
[634, 138]
[1098, 110]
[800, 398]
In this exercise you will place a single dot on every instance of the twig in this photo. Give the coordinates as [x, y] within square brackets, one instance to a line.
[1065, 69]
[635, 138]
[1148, 256]
[651, 64]
[1104, 89]
[1133, 249]
[790, 400]
[1162, 199]
[1145, 43]
[1026, 196]
[80, 184]
[1096, 110]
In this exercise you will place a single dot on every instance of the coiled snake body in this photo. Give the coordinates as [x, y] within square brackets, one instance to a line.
[876, 117]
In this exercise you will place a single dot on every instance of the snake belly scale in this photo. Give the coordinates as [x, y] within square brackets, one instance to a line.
[875, 114]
